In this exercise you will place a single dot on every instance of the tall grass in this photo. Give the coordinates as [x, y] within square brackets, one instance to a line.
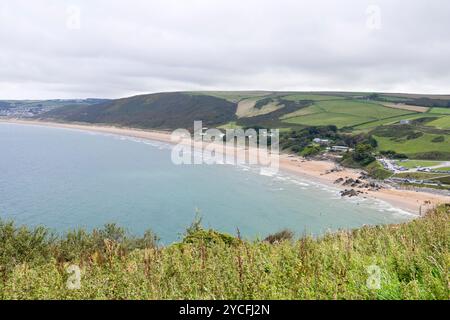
[413, 261]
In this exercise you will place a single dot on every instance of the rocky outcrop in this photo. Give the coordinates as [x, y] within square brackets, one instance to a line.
[350, 193]
[358, 183]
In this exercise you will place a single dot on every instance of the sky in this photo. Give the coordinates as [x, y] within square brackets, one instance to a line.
[111, 49]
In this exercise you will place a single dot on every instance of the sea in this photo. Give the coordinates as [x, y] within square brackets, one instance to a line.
[66, 179]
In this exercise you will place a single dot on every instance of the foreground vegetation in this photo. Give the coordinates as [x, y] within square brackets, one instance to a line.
[411, 261]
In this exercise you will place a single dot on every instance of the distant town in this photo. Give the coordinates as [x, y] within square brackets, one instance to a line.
[32, 108]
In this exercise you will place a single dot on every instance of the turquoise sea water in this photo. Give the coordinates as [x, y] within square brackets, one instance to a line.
[65, 179]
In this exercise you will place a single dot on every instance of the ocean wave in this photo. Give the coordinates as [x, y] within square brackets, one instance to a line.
[334, 194]
[282, 177]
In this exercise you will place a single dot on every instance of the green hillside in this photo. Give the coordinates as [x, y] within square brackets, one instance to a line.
[250, 108]
[417, 140]
[161, 111]
[441, 123]
[344, 113]
[425, 137]
[440, 110]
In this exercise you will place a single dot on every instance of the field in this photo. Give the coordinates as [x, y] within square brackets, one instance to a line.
[324, 118]
[406, 107]
[314, 109]
[440, 110]
[441, 123]
[388, 121]
[247, 107]
[230, 125]
[407, 261]
[344, 113]
[414, 146]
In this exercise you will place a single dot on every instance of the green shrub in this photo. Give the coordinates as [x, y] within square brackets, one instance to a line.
[438, 139]
[432, 155]
[412, 259]
[210, 237]
[414, 135]
[311, 151]
[390, 154]
[23, 245]
[283, 235]
[376, 171]
[360, 157]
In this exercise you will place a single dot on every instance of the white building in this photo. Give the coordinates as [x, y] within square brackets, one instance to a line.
[339, 149]
[321, 141]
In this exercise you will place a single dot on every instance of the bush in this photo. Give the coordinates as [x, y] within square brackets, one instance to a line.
[414, 135]
[283, 235]
[23, 245]
[20, 245]
[390, 154]
[210, 237]
[375, 170]
[438, 139]
[195, 234]
[311, 151]
[432, 155]
[363, 154]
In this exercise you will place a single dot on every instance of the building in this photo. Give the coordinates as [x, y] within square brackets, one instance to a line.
[323, 142]
[339, 149]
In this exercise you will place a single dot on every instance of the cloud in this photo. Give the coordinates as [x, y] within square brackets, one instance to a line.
[68, 49]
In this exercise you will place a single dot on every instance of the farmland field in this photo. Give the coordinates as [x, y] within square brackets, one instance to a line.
[327, 118]
[440, 110]
[302, 112]
[343, 113]
[230, 125]
[419, 145]
[361, 109]
[405, 107]
[441, 123]
[247, 107]
[391, 120]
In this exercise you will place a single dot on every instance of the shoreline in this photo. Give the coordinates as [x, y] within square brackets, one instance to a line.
[414, 202]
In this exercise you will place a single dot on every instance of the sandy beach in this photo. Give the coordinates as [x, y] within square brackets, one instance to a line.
[319, 171]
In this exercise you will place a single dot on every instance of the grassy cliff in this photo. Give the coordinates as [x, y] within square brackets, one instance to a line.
[410, 261]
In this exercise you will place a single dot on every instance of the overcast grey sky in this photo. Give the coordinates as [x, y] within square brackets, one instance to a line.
[69, 49]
